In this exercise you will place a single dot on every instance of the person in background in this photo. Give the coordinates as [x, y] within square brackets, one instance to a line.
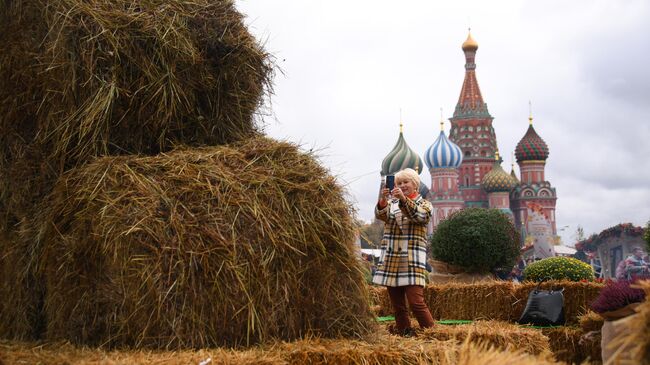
[402, 264]
[635, 266]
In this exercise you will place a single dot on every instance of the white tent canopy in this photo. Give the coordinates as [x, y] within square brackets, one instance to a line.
[370, 251]
[564, 250]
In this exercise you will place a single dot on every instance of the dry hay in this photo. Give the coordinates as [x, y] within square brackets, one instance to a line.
[569, 344]
[398, 350]
[484, 300]
[498, 334]
[230, 245]
[591, 321]
[499, 300]
[380, 300]
[84, 78]
[577, 297]
[21, 297]
[385, 350]
[87, 78]
[638, 336]
[65, 353]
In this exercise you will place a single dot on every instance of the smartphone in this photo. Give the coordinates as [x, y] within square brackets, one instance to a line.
[390, 182]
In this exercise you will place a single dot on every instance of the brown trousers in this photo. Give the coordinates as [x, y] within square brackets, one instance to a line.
[415, 296]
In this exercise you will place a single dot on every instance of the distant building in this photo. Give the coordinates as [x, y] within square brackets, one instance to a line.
[465, 168]
[611, 246]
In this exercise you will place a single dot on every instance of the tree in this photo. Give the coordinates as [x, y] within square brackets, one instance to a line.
[373, 232]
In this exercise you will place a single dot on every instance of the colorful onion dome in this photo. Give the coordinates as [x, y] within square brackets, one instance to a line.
[443, 153]
[470, 44]
[531, 147]
[497, 180]
[401, 157]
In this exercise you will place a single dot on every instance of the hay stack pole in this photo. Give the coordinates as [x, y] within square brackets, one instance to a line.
[87, 78]
[230, 245]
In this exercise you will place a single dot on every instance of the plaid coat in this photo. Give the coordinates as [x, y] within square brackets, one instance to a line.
[404, 245]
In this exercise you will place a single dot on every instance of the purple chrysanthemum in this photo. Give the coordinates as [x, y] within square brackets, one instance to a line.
[615, 295]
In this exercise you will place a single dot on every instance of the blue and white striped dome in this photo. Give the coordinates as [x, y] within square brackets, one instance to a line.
[443, 153]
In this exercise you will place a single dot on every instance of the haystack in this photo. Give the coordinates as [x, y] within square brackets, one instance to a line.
[570, 345]
[85, 78]
[230, 245]
[80, 79]
[21, 297]
[591, 321]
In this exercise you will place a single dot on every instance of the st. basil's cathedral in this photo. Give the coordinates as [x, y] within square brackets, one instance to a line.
[465, 167]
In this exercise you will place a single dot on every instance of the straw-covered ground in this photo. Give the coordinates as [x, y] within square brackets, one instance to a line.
[229, 245]
[384, 349]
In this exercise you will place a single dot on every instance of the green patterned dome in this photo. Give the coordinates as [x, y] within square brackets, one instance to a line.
[401, 157]
[497, 180]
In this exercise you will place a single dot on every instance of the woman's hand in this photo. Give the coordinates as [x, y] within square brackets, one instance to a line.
[399, 194]
[383, 200]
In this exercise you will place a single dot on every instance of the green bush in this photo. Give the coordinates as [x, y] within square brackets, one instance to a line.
[476, 239]
[559, 268]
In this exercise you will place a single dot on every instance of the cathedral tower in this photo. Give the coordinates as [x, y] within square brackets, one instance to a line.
[498, 184]
[533, 200]
[471, 130]
[443, 158]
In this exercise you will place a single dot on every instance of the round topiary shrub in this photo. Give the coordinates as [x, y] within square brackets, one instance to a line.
[478, 240]
[558, 268]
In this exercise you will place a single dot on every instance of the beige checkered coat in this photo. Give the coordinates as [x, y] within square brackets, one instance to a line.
[404, 245]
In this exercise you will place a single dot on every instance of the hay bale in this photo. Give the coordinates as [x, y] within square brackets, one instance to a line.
[380, 300]
[483, 300]
[497, 334]
[230, 245]
[21, 312]
[85, 78]
[569, 345]
[464, 278]
[577, 297]
[499, 300]
[591, 321]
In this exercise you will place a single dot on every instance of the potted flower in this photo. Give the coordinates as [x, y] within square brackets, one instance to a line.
[616, 303]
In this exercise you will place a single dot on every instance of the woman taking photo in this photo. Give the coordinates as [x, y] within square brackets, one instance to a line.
[402, 267]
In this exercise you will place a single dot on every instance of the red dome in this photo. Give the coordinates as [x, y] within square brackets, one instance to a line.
[531, 147]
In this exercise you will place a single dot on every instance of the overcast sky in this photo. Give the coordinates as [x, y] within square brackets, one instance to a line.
[349, 66]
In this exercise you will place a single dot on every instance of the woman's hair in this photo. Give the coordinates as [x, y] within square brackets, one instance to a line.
[409, 174]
